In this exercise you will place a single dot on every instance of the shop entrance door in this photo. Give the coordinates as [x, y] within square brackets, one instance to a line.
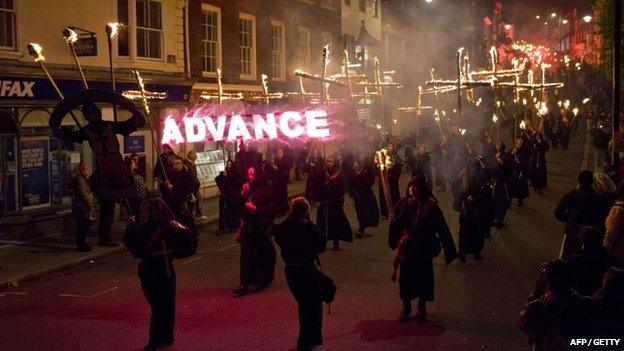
[8, 174]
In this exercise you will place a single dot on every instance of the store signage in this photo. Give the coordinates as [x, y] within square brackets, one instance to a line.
[289, 124]
[16, 88]
[35, 171]
[86, 46]
[28, 89]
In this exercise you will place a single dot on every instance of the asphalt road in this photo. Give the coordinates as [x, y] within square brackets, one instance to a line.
[99, 306]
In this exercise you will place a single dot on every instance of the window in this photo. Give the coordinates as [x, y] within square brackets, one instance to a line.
[278, 70]
[211, 25]
[247, 46]
[376, 8]
[363, 6]
[123, 40]
[149, 29]
[303, 47]
[7, 24]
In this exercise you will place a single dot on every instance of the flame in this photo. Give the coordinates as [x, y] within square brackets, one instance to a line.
[524, 102]
[522, 125]
[566, 104]
[112, 29]
[463, 131]
[494, 118]
[395, 121]
[70, 35]
[378, 126]
[575, 111]
[35, 50]
[143, 92]
[585, 101]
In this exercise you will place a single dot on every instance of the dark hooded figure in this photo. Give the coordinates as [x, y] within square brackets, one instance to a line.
[110, 181]
[362, 193]
[394, 165]
[176, 191]
[473, 200]
[421, 165]
[499, 171]
[314, 170]
[257, 260]
[442, 162]
[330, 216]
[157, 242]
[278, 169]
[301, 241]
[418, 232]
[519, 158]
[229, 219]
[539, 173]
[609, 302]
[581, 207]
[164, 165]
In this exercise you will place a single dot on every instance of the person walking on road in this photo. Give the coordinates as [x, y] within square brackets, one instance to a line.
[420, 218]
[300, 241]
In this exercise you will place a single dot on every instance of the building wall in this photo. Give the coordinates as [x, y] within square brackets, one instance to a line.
[92, 15]
[293, 13]
[352, 18]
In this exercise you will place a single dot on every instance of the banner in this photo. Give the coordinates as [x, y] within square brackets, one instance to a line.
[34, 154]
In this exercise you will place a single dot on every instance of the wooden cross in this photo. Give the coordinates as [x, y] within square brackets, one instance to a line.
[220, 96]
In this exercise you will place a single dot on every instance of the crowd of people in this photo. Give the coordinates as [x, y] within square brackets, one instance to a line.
[484, 176]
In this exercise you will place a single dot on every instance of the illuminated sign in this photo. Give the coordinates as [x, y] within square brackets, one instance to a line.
[289, 124]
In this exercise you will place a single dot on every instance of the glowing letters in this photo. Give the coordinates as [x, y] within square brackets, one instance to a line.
[290, 124]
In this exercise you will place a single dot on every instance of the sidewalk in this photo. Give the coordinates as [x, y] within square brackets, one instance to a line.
[24, 261]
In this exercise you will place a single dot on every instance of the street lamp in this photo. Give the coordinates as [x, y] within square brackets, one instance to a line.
[587, 18]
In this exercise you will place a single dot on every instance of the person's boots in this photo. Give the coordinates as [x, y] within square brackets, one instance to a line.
[421, 310]
[406, 311]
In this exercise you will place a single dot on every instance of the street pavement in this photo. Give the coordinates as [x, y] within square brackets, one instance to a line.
[99, 305]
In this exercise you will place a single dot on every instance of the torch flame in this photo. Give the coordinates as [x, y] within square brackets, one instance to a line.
[522, 125]
[585, 100]
[70, 35]
[35, 50]
[575, 111]
[494, 118]
[113, 28]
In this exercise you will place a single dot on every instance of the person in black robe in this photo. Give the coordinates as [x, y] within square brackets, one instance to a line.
[157, 242]
[164, 165]
[314, 171]
[258, 210]
[441, 161]
[229, 220]
[177, 190]
[421, 165]
[519, 159]
[499, 170]
[393, 174]
[473, 198]
[565, 128]
[330, 216]
[363, 196]
[300, 241]
[419, 219]
[539, 173]
[278, 170]
[110, 181]
[191, 167]
[581, 207]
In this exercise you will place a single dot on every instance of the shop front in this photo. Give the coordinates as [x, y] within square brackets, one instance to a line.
[36, 168]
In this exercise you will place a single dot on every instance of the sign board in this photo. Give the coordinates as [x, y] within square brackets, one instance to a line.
[34, 155]
[86, 46]
[134, 144]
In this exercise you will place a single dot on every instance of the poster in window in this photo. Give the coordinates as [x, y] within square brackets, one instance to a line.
[35, 172]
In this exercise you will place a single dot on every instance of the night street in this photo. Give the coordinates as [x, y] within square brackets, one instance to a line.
[476, 307]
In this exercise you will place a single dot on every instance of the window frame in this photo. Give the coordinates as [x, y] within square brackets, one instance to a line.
[207, 8]
[375, 7]
[362, 6]
[131, 29]
[304, 62]
[14, 12]
[252, 74]
[282, 68]
[149, 29]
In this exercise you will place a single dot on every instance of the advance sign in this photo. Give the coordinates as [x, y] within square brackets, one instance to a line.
[290, 124]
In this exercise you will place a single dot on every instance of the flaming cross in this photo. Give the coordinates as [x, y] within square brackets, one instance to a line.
[323, 79]
[266, 96]
[220, 95]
